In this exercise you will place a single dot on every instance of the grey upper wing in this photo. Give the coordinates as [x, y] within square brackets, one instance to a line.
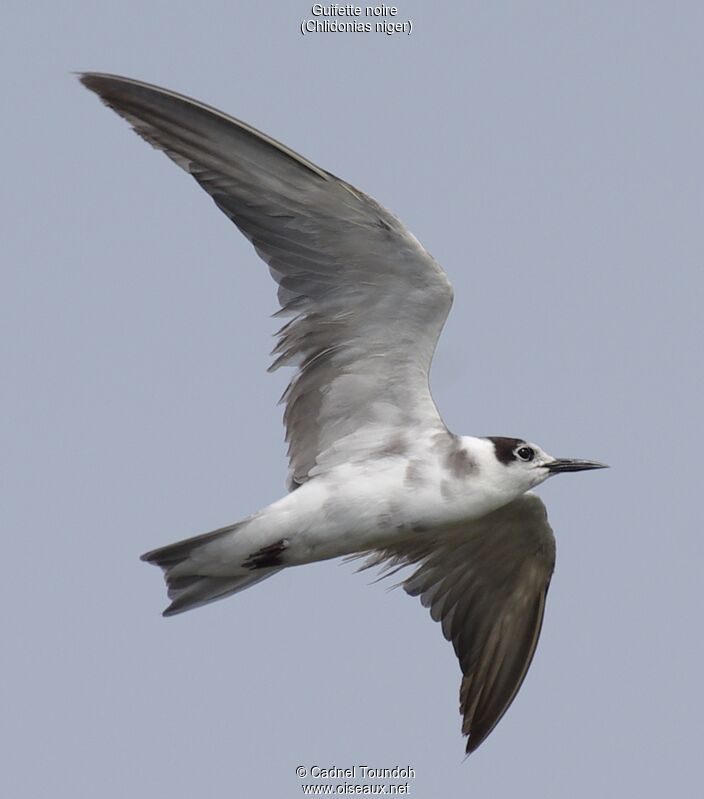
[486, 584]
[367, 301]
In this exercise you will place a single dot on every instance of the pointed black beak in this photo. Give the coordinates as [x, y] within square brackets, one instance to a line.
[573, 465]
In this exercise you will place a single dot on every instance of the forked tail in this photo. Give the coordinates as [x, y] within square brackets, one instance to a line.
[186, 588]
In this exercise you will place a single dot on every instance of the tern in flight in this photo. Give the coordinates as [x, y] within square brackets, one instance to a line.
[374, 471]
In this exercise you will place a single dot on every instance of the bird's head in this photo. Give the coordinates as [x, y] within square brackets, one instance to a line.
[526, 465]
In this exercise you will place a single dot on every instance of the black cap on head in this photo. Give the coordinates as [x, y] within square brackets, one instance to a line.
[505, 448]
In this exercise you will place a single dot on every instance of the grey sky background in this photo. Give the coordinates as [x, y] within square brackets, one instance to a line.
[549, 155]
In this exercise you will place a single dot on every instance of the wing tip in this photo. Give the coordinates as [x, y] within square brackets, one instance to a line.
[93, 80]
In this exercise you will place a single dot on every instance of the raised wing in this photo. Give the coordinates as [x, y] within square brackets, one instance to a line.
[367, 301]
[486, 584]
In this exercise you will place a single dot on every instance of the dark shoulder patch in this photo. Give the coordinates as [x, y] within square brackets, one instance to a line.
[505, 447]
[452, 455]
[458, 462]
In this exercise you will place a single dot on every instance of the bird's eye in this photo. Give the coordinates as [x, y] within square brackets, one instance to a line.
[525, 453]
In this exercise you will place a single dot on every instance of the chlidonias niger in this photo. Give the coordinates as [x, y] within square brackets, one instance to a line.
[374, 471]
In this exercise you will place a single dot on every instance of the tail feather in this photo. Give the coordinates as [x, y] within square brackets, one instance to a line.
[192, 590]
[203, 590]
[175, 553]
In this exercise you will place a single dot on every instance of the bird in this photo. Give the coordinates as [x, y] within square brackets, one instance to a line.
[374, 472]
